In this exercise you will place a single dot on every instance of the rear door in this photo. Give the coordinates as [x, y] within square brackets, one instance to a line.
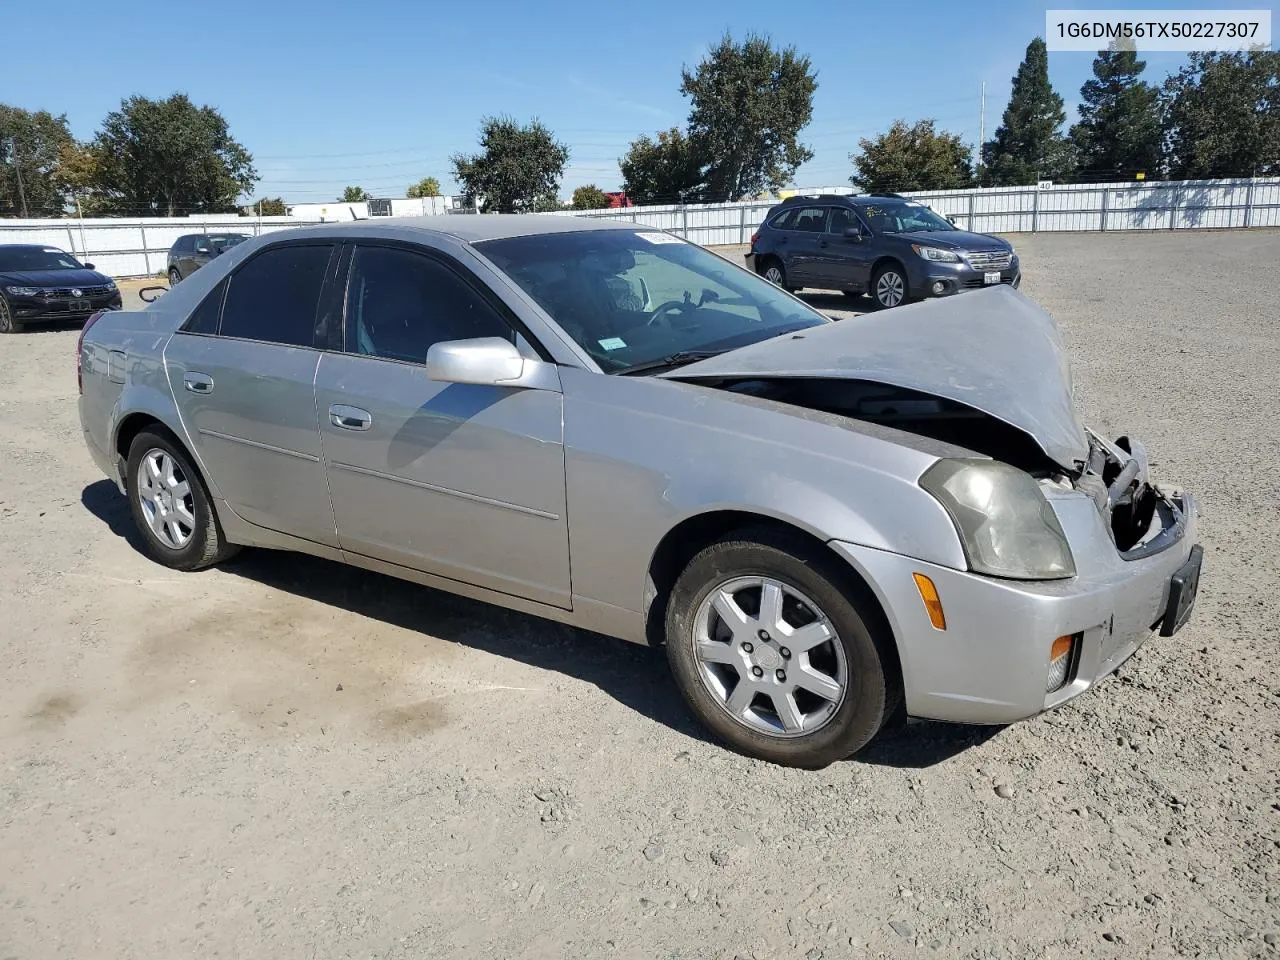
[464, 481]
[242, 371]
[805, 258]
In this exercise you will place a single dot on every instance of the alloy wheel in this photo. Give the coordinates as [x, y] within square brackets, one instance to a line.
[773, 273]
[890, 289]
[164, 494]
[769, 656]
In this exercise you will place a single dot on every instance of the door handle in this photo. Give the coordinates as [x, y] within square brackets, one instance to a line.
[350, 418]
[198, 383]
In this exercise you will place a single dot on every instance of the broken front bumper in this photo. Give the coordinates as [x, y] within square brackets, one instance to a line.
[991, 662]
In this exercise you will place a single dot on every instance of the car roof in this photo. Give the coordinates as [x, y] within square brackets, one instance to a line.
[31, 246]
[475, 228]
[857, 199]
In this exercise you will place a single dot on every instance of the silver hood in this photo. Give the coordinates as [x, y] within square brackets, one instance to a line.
[993, 350]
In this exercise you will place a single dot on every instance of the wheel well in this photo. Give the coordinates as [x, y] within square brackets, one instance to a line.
[131, 426]
[683, 541]
[768, 258]
[883, 261]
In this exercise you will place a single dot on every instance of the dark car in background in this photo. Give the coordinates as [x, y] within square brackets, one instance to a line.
[191, 252]
[40, 284]
[891, 247]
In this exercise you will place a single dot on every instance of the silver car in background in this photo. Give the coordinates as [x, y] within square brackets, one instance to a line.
[826, 524]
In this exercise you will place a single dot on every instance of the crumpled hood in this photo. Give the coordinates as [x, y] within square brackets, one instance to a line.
[993, 350]
[53, 278]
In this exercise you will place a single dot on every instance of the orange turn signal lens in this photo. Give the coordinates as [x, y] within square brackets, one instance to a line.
[1061, 647]
[929, 594]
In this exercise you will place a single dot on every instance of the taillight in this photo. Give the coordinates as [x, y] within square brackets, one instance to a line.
[80, 349]
[754, 238]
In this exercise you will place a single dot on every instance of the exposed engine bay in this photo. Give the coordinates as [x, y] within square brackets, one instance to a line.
[1115, 476]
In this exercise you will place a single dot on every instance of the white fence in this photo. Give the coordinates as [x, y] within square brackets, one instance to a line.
[1172, 205]
[130, 248]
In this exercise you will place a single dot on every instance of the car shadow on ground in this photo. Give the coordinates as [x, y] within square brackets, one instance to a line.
[635, 676]
[831, 302]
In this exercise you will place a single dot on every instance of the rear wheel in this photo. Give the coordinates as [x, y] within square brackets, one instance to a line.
[174, 276]
[7, 323]
[889, 286]
[776, 274]
[171, 505]
[778, 651]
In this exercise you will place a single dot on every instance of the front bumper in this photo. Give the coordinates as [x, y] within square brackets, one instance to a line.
[991, 662]
[926, 276]
[40, 309]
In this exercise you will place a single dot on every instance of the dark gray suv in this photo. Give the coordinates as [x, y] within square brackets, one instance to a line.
[894, 248]
[188, 254]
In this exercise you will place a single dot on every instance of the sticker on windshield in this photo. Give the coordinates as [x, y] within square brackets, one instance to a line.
[660, 237]
[612, 343]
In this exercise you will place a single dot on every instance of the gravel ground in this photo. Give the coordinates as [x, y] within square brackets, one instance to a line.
[288, 758]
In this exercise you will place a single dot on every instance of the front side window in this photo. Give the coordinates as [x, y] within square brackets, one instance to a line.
[842, 218]
[633, 298]
[274, 296]
[399, 303]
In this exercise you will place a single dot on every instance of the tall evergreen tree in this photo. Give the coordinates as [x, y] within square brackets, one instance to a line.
[1119, 133]
[1029, 144]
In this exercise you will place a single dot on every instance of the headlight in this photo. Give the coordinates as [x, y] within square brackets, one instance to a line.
[110, 284]
[936, 253]
[22, 291]
[1007, 527]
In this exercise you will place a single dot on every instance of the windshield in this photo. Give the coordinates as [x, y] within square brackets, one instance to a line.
[631, 299]
[903, 217]
[37, 258]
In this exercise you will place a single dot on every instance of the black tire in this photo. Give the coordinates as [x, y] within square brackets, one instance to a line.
[767, 269]
[882, 271]
[206, 544]
[174, 277]
[873, 687]
[7, 322]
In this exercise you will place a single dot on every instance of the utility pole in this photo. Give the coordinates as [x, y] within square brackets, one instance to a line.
[982, 127]
[17, 169]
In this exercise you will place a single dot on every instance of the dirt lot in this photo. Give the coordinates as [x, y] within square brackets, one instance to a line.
[288, 758]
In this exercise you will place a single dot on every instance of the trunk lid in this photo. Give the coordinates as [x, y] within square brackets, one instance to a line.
[992, 350]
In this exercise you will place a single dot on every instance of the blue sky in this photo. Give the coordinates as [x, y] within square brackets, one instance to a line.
[380, 94]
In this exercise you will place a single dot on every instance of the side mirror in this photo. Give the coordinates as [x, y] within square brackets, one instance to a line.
[88, 266]
[490, 361]
[951, 219]
[853, 233]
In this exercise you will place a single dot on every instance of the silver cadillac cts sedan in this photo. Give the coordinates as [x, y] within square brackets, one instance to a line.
[828, 525]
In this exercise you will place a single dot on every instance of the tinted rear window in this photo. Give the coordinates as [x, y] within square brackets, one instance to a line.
[273, 297]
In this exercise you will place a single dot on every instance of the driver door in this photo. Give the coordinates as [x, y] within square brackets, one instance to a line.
[463, 481]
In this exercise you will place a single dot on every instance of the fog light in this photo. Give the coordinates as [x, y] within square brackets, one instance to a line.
[1061, 657]
[939, 287]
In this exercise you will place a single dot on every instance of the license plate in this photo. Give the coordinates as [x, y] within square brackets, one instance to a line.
[1183, 586]
[991, 276]
[75, 306]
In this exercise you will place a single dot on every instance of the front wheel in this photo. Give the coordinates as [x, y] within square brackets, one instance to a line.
[778, 651]
[7, 323]
[889, 286]
[171, 505]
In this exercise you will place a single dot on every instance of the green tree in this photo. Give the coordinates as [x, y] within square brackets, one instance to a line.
[426, 187]
[267, 207]
[749, 103]
[355, 195]
[912, 158]
[518, 167]
[1119, 133]
[169, 158]
[1223, 115]
[590, 197]
[31, 146]
[1029, 144]
[665, 170]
